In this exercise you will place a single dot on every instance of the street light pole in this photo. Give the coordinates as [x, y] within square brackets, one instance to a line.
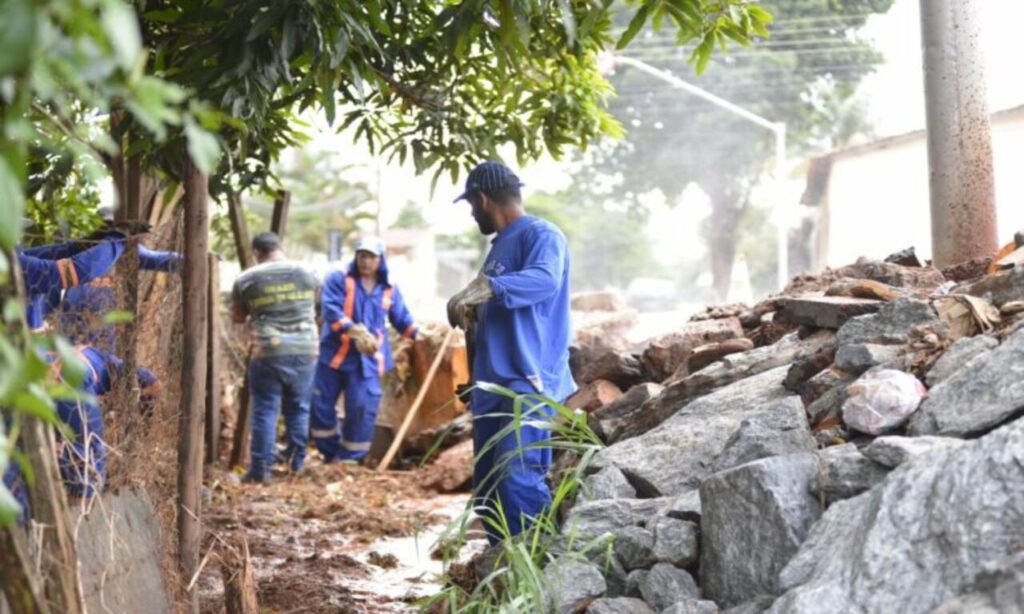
[777, 128]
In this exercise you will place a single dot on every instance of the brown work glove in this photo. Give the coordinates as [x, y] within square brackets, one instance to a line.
[462, 307]
[365, 341]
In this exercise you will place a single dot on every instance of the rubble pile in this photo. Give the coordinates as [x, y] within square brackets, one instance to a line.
[855, 443]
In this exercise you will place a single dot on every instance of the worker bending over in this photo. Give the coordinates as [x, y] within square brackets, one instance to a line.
[277, 298]
[354, 351]
[519, 306]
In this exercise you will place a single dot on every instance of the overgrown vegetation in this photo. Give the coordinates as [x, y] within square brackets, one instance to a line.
[517, 582]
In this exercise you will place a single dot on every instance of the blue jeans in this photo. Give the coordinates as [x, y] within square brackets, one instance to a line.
[505, 475]
[279, 383]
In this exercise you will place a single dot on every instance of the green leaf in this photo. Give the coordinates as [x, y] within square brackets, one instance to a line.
[122, 29]
[634, 27]
[10, 510]
[34, 402]
[72, 367]
[118, 316]
[760, 15]
[12, 201]
[203, 147]
[17, 35]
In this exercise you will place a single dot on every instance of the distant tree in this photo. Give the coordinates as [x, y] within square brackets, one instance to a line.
[806, 75]
[411, 217]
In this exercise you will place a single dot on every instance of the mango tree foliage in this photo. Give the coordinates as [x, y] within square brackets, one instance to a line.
[440, 83]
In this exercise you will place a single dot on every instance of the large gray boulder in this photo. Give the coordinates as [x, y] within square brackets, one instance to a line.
[755, 518]
[957, 355]
[676, 542]
[609, 483]
[572, 584]
[594, 518]
[978, 397]
[679, 393]
[780, 430]
[674, 457]
[634, 548]
[665, 585]
[998, 589]
[844, 473]
[893, 450]
[918, 538]
[619, 605]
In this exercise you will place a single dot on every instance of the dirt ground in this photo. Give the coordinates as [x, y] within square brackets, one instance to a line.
[338, 538]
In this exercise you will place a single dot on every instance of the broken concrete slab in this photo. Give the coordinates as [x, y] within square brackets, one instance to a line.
[957, 355]
[594, 395]
[711, 353]
[608, 420]
[999, 288]
[984, 393]
[118, 548]
[755, 518]
[780, 430]
[893, 450]
[825, 311]
[893, 549]
[921, 279]
[844, 472]
[673, 458]
[678, 393]
[891, 325]
[665, 354]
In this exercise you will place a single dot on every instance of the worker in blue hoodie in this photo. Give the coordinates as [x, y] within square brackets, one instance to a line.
[81, 310]
[518, 310]
[356, 306]
[49, 269]
[82, 453]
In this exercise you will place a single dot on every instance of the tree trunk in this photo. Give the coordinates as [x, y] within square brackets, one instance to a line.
[195, 286]
[213, 366]
[726, 213]
[279, 221]
[17, 582]
[240, 230]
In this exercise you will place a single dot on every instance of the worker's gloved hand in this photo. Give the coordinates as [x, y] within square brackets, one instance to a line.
[463, 306]
[366, 342]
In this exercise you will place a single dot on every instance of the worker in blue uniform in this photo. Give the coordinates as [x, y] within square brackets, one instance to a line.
[82, 456]
[81, 311]
[49, 269]
[356, 306]
[518, 309]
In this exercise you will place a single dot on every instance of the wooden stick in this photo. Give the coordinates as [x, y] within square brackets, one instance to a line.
[400, 435]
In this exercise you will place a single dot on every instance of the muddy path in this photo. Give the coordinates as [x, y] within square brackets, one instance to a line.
[338, 538]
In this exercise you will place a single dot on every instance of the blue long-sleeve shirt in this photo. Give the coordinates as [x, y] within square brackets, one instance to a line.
[48, 269]
[372, 309]
[523, 333]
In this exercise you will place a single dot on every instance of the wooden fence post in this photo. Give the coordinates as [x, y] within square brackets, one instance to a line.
[195, 287]
[213, 365]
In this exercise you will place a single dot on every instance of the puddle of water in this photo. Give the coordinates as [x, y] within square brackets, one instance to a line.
[417, 574]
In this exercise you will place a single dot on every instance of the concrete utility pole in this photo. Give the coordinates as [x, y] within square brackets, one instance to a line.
[959, 137]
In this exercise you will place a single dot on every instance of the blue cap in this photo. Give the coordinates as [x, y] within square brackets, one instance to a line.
[490, 176]
[370, 244]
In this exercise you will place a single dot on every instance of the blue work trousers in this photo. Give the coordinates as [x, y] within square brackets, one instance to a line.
[509, 471]
[350, 438]
[279, 383]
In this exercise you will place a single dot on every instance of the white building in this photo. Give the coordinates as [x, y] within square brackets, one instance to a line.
[872, 199]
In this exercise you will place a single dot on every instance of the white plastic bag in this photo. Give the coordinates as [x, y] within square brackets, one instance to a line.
[882, 400]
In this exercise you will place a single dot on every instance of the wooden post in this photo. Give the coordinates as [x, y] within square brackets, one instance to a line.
[195, 286]
[126, 389]
[213, 365]
[240, 230]
[279, 221]
[240, 441]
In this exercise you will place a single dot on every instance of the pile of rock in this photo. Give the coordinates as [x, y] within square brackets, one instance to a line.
[854, 444]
